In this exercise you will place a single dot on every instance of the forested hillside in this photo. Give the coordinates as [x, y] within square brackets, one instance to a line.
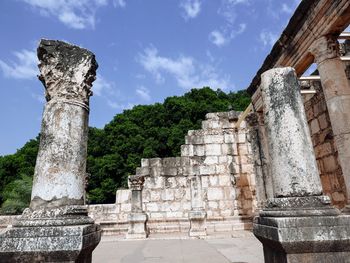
[115, 151]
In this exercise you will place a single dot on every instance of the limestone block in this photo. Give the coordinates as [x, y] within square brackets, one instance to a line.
[168, 195]
[223, 159]
[171, 161]
[213, 205]
[205, 181]
[242, 149]
[213, 180]
[330, 163]
[211, 160]
[146, 195]
[213, 139]
[322, 119]
[198, 150]
[177, 214]
[155, 162]
[187, 150]
[326, 185]
[206, 169]
[182, 181]
[338, 197]
[226, 213]
[213, 149]
[215, 193]
[169, 171]
[212, 124]
[179, 194]
[247, 168]
[241, 137]
[323, 150]
[186, 206]
[229, 138]
[156, 215]
[156, 171]
[184, 161]
[125, 207]
[225, 180]
[155, 196]
[319, 108]
[314, 126]
[144, 162]
[222, 169]
[142, 171]
[188, 194]
[170, 182]
[152, 207]
[123, 196]
[229, 193]
[309, 114]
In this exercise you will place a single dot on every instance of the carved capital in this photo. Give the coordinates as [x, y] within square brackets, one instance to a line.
[136, 182]
[326, 47]
[67, 71]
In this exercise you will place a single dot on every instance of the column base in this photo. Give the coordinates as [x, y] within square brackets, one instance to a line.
[322, 236]
[40, 240]
[137, 226]
[198, 226]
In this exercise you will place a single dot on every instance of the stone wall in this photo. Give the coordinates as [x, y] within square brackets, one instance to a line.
[324, 146]
[220, 155]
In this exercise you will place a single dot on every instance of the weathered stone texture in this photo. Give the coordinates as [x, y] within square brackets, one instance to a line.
[324, 146]
[218, 159]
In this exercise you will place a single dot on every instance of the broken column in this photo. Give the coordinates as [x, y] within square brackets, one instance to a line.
[56, 227]
[137, 218]
[336, 89]
[299, 224]
[197, 215]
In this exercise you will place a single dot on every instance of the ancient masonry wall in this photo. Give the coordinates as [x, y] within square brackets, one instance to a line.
[220, 155]
[324, 146]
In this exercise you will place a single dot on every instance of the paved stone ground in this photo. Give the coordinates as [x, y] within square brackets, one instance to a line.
[243, 248]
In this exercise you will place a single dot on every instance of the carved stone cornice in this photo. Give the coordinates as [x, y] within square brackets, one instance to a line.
[67, 71]
[326, 47]
[136, 182]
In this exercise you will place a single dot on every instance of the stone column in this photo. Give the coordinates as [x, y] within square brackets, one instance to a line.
[258, 156]
[298, 224]
[56, 226]
[336, 90]
[197, 215]
[137, 218]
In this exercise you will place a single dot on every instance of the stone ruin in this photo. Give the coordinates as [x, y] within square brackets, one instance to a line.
[213, 180]
[285, 160]
[56, 226]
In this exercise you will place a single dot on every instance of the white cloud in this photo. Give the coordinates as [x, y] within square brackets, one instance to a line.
[222, 38]
[267, 38]
[101, 86]
[77, 14]
[286, 9]
[192, 8]
[119, 106]
[187, 72]
[120, 3]
[24, 68]
[143, 93]
[217, 38]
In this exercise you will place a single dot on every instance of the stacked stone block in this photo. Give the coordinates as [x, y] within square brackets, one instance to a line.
[324, 146]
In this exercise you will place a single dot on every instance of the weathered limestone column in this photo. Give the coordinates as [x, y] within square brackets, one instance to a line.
[197, 215]
[137, 218]
[56, 227]
[298, 224]
[336, 90]
[258, 156]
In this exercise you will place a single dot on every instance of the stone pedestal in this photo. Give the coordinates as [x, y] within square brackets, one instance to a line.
[299, 224]
[197, 215]
[137, 218]
[56, 227]
[197, 223]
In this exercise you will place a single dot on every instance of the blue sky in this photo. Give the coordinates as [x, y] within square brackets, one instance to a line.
[147, 50]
